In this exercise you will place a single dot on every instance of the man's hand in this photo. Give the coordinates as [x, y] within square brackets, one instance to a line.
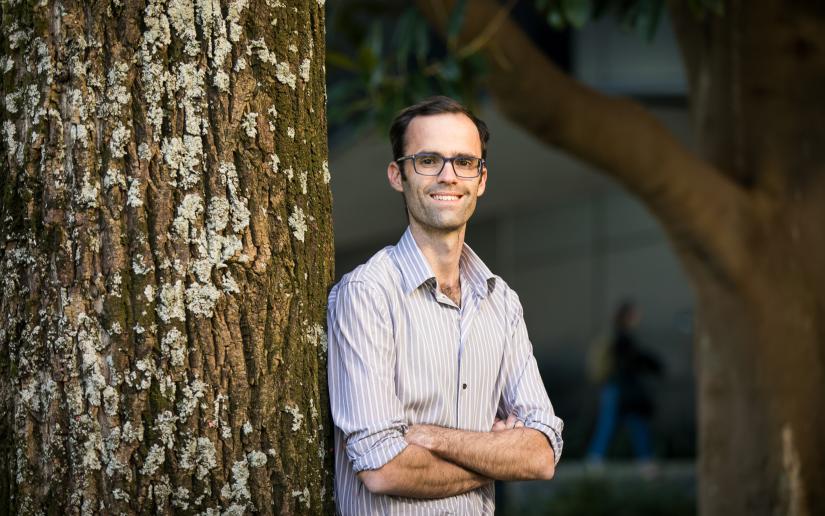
[511, 422]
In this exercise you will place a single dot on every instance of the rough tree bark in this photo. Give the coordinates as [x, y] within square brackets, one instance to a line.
[744, 217]
[166, 250]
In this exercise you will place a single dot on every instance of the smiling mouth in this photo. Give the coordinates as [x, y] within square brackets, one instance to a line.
[446, 197]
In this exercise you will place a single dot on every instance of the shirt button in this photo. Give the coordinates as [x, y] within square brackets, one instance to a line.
[464, 386]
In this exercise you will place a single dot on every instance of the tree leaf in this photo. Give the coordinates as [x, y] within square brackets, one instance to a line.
[369, 54]
[340, 60]
[455, 22]
[450, 70]
[576, 12]
[376, 38]
[367, 60]
[601, 7]
[339, 94]
[422, 43]
[404, 36]
[649, 16]
[556, 19]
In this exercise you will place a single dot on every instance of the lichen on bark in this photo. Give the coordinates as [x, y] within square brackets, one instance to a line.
[160, 321]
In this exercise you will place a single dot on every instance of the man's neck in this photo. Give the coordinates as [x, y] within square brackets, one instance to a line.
[443, 252]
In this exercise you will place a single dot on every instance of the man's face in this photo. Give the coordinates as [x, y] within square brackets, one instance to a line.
[445, 202]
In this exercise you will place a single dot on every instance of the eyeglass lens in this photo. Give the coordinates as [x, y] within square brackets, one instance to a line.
[432, 164]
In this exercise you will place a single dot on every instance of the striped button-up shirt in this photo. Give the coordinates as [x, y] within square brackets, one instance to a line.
[402, 353]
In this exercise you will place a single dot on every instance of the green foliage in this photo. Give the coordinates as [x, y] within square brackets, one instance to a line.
[383, 56]
[393, 63]
[642, 16]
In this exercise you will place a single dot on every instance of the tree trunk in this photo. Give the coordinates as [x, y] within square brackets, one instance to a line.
[756, 77]
[166, 250]
[745, 219]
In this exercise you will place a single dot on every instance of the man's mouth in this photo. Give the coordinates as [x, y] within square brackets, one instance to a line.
[446, 196]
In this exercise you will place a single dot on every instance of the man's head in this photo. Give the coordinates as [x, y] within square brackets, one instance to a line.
[439, 148]
[627, 315]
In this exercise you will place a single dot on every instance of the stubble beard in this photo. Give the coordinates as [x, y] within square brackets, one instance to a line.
[431, 221]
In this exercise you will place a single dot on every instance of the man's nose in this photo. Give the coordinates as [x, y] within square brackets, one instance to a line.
[447, 174]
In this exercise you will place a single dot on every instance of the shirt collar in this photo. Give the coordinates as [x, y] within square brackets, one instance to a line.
[475, 272]
[415, 270]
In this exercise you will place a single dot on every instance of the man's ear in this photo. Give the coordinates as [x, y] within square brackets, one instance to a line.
[482, 185]
[394, 175]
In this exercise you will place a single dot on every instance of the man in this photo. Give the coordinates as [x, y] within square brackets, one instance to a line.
[433, 386]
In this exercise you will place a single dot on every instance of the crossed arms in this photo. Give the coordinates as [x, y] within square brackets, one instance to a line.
[440, 462]
[427, 461]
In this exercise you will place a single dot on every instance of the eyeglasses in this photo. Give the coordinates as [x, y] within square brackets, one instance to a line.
[431, 164]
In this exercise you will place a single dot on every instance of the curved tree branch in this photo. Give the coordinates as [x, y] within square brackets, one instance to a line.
[484, 37]
[704, 212]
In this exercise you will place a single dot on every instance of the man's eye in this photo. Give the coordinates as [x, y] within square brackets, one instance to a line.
[464, 162]
[427, 160]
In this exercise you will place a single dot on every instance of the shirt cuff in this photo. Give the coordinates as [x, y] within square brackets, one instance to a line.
[553, 432]
[375, 450]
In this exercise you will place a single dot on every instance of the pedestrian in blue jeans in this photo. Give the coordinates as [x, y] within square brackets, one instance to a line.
[624, 397]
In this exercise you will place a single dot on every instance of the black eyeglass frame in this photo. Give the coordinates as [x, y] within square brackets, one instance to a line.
[481, 163]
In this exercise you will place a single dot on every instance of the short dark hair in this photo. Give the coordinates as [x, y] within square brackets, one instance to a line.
[432, 106]
[621, 319]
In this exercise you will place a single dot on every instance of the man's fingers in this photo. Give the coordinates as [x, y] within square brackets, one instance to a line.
[511, 421]
[514, 422]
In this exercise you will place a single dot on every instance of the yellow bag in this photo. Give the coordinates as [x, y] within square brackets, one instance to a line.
[600, 359]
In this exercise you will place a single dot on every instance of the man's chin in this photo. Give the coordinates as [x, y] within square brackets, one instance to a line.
[442, 227]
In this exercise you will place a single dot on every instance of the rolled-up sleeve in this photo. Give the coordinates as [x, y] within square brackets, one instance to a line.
[361, 370]
[523, 391]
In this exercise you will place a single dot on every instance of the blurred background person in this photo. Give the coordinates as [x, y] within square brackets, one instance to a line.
[625, 397]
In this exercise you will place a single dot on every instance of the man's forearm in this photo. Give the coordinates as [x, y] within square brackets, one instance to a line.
[419, 473]
[514, 454]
